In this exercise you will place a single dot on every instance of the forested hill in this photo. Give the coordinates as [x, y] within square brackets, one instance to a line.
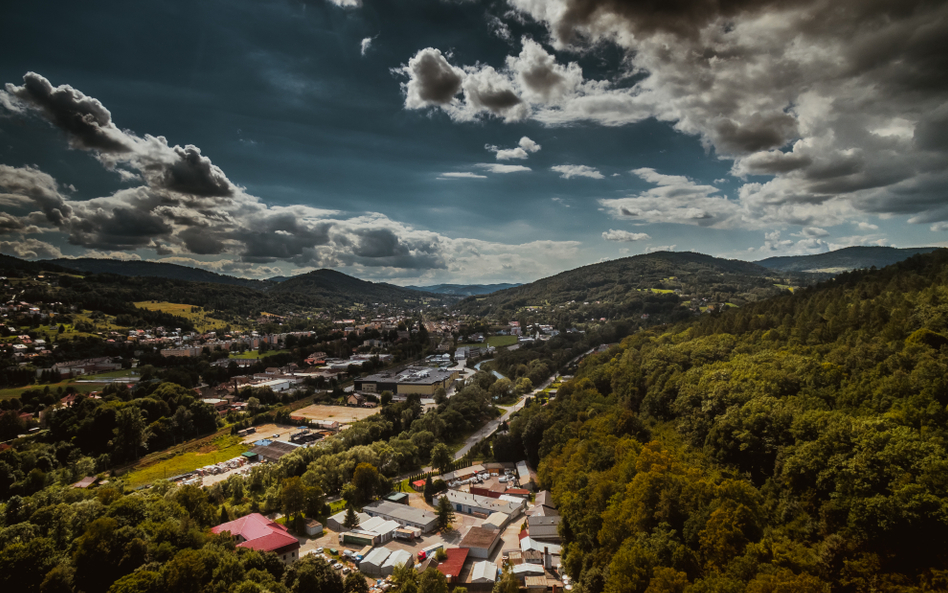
[843, 260]
[156, 270]
[616, 281]
[463, 289]
[797, 444]
[337, 287]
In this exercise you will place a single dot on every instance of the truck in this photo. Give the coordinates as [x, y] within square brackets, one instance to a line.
[425, 552]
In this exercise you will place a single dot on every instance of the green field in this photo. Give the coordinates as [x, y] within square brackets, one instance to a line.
[495, 341]
[220, 449]
[196, 315]
[11, 392]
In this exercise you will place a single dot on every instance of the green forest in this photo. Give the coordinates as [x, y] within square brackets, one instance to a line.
[797, 444]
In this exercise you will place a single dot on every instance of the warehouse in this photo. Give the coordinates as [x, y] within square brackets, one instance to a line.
[405, 516]
[481, 542]
[397, 558]
[336, 522]
[406, 381]
[472, 504]
[371, 565]
[484, 572]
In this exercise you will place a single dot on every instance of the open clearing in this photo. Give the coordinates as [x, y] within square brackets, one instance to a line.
[266, 431]
[341, 414]
[193, 313]
[217, 449]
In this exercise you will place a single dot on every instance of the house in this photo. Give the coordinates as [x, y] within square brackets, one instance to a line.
[355, 399]
[256, 532]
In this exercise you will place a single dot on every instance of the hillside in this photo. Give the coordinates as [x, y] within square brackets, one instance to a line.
[623, 284]
[338, 288]
[798, 444]
[155, 270]
[463, 290]
[843, 260]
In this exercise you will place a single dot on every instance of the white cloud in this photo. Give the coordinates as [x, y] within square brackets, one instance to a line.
[347, 3]
[522, 151]
[365, 45]
[29, 248]
[624, 236]
[570, 171]
[867, 226]
[831, 103]
[499, 168]
[461, 175]
[655, 248]
[675, 199]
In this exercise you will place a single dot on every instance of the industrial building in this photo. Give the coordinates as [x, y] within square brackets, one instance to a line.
[406, 381]
[404, 515]
[256, 532]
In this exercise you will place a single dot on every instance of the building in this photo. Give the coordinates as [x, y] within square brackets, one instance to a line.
[451, 568]
[272, 451]
[524, 477]
[397, 558]
[405, 516]
[314, 528]
[256, 532]
[472, 504]
[481, 542]
[372, 564]
[371, 532]
[544, 528]
[336, 521]
[406, 381]
[484, 572]
[496, 521]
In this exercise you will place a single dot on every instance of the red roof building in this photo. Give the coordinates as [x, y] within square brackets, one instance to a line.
[451, 568]
[259, 533]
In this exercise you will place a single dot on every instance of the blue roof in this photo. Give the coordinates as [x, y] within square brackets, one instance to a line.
[262, 443]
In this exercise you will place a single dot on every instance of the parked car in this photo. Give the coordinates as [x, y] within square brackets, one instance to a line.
[319, 550]
[337, 565]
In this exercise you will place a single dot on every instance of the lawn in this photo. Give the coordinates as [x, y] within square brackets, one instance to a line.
[113, 374]
[219, 449]
[495, 341]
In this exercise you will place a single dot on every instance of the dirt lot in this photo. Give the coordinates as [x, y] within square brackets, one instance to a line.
[341, 414]
[266, 431]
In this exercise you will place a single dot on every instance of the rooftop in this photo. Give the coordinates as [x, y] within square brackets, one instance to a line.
[455, 562]
[478, 537]
[258, 532]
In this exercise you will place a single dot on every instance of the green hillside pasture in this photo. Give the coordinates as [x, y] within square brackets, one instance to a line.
[192, 313]
[174, 463]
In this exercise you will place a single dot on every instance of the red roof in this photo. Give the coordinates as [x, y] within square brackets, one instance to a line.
[455, 562]
[259, 533]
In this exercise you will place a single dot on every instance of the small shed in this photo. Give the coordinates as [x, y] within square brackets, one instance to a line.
[314, 528]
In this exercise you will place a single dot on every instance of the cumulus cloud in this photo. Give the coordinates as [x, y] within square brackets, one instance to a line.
[570, 171]
[656, 248]
[187, 209]
[524, 148]
[836, 104]
[347, 3]
[675, 199]
[431, 80]
[624, 236]
[366, 44]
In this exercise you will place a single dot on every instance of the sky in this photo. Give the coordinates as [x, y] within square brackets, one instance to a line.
[428, 141]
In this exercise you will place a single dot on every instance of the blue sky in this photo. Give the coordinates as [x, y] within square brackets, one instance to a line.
[421, 142]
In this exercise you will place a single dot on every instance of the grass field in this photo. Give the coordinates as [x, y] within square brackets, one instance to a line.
[170, 464]
[255, 355]
[495, 341]
[196, 315]
[11, 392]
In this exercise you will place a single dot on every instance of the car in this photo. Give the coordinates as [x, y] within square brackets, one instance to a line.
[346, 570]
[276, 435]
[337, 566]
[319, 550]
[334, 551]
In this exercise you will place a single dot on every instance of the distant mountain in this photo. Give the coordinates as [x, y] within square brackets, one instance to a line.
[156, 270]
[624, 286]
[843, 260]
[339, 288]
[16, 267]
[463, 289]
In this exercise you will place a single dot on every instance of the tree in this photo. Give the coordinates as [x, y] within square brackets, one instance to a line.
[293, 498]
[131, 432]
[432, 581]
[385, 398]
[524, 385]
[428, 491]
[366, 479]
[441, 457]
[253, 406]
[445, 513]
[352, 520]
[355, 583]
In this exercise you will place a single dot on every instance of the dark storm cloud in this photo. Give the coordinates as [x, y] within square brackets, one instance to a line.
[120, 228]
[931, 133]
[280, 237]
[202, 241]
[30, 185]
[194, 174]
[756, 133]
[85, 120]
